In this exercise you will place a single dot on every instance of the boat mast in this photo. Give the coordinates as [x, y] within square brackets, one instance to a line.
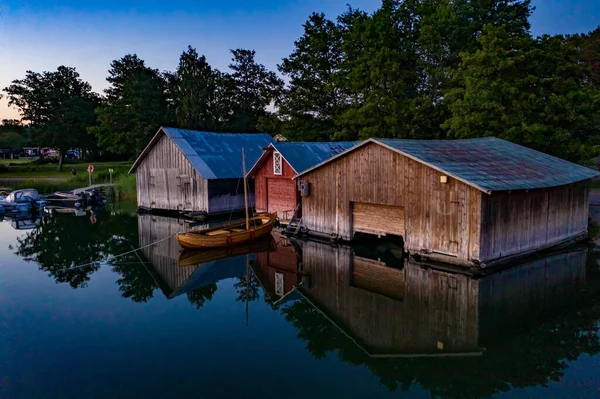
[245, 188]
[247, 285]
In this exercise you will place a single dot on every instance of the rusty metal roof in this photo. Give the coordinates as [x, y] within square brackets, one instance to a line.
[488, 164]
[214, 155]
[304, 155]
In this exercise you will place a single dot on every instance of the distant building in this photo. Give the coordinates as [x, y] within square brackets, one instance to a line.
[468, 202]
[188, 170]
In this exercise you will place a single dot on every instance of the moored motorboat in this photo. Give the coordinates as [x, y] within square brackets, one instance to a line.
[25, 200]
[68, 199]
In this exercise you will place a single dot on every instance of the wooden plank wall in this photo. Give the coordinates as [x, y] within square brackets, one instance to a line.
[264, 172]
[162, 178]
[283, 260]
[376, 175]
[514, 222]
[437, 306]
[164, 255]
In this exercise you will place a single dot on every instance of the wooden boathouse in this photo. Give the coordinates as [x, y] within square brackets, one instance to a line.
[273, 172]
[468, 202]
[188, 170]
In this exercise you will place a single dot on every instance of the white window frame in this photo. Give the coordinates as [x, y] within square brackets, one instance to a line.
[279, 289]
[277, 169]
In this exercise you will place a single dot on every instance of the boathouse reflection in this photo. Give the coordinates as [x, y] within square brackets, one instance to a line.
[195, 273]
[410, 323]
[405, 322]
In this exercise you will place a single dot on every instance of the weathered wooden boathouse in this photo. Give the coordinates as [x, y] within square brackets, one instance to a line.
[273, 172]
[469, 202]
[188, 170]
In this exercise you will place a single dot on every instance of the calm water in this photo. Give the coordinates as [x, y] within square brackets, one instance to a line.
[361, 324]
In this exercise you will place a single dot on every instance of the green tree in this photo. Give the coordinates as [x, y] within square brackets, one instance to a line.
[200, 95]
[447, 29]
[134, 108]
[588, 47]
[12, 141]
[254, 88]
[312, 98]
[527, 91]
[59, 106]
[381, 72]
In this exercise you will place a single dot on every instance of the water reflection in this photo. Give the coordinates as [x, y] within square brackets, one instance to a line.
[415, 324]
[69, 248]
[196, 273]
[457, 336]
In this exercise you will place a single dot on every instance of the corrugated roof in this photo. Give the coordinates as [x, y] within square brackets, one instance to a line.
[489, 164]
[214, 155]
[305, 155]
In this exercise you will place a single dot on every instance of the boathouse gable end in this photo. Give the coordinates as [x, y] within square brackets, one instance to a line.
[276, 191]
[187, 170]
[166, 179]
[445, 204]
[378, 191]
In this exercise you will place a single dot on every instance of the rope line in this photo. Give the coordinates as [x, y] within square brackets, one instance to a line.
[119, 255]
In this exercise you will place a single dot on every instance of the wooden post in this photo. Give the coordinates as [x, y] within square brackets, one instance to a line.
[245, 188]
[110, 172]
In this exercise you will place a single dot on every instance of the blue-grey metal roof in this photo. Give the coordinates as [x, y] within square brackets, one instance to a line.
[215, 155]
[490, 164]
[305, 155]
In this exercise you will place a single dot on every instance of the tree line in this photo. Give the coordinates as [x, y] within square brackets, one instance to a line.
[420, 69]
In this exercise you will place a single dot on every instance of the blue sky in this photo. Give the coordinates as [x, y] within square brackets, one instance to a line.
[41, 34]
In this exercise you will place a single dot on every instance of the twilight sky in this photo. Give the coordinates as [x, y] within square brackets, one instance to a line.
[88, 34]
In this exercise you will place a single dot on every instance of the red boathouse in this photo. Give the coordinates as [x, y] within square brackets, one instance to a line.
[275, 191]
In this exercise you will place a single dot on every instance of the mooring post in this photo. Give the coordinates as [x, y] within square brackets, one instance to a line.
[90, 170]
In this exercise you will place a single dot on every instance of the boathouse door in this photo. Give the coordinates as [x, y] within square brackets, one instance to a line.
[281, 197]
[444, 234]
[377, 219]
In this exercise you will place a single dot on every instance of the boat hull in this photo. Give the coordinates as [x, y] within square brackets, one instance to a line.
[202, 239]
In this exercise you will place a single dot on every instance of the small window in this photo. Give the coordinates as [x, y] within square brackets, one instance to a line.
[278, 284]
[277, 164]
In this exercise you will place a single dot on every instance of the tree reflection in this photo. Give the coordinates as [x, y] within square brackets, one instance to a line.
[200, 296]
[247, 288]
[70, 249]
[136, 283]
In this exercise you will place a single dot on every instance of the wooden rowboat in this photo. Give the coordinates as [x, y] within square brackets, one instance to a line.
[232, 234]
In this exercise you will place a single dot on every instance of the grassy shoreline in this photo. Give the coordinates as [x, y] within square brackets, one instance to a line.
[17, 174]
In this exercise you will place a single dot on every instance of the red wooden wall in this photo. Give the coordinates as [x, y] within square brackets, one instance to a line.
[280, 196]
[284, 260]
